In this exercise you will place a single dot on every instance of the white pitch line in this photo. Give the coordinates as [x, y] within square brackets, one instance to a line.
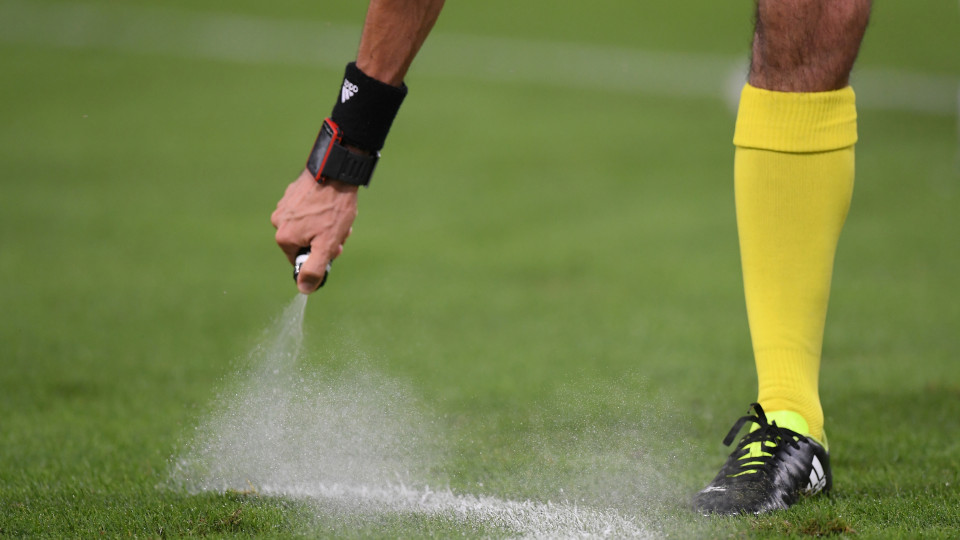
[252, 40]
[182, 34]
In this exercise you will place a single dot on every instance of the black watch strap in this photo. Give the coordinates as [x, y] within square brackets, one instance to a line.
[329, 159]
[349, 167]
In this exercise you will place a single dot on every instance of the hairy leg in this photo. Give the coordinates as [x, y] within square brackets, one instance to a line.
[806, 45]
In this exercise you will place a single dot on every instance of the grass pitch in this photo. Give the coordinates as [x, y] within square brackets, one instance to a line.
[549, 264]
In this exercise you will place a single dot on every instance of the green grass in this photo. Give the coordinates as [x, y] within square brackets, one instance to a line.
[553, 271]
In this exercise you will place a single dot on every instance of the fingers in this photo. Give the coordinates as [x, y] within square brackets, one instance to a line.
[313, 271]
[289, 244]
[315, 215]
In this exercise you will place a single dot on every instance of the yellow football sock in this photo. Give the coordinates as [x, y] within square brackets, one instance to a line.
[793, 174]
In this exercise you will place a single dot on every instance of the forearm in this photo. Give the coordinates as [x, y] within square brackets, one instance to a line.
[393, 32]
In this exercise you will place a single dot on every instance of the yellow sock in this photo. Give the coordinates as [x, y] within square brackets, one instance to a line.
[793, 173]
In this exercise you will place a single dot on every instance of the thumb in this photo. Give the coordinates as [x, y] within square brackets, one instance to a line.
[313, 272]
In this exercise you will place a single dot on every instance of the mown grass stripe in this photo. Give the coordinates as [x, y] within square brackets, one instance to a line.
[245, 39]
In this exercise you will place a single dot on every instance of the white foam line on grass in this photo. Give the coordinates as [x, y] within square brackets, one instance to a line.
[527, 519]
[352, 446]
[246, 39]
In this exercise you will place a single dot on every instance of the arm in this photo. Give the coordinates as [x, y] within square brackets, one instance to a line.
[392, 34]
[320, 215]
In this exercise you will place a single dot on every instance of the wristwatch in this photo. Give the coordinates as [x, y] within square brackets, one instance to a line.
[331, 160]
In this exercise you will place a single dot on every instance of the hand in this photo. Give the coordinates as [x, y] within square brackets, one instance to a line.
[315, 215]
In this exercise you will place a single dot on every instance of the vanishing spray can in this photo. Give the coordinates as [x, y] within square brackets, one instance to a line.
[302, 255]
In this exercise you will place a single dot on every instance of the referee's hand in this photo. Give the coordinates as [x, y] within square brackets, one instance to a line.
[316, 215]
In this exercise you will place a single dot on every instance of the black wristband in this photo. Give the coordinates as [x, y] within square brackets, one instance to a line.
[366, 108]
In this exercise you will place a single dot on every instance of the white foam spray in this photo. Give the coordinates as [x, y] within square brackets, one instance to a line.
[356, 444]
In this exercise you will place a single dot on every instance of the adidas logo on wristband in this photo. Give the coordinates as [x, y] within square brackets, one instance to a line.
[365, 108]
[348, 91]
